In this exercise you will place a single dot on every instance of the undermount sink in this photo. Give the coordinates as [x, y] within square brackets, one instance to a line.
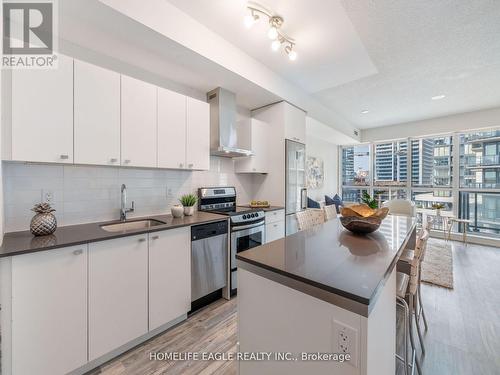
[131, 225]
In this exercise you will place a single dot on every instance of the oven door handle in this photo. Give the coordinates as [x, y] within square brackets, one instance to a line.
[249, 226]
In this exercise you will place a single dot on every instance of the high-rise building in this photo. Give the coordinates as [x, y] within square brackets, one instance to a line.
[391, 162]
[422, 162]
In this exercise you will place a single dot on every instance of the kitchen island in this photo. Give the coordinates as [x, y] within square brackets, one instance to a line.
[322, 290]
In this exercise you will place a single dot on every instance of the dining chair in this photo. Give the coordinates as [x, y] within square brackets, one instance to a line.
[309, 218]
[330, 212]
[400, 207]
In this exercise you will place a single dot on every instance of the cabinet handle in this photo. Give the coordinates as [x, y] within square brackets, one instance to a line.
[180, 165]
[275, 225]
[78, 252]
[126, 161]
[190, 165]
[64, 156]
[141, 239]
[113, 160]
[155, 237]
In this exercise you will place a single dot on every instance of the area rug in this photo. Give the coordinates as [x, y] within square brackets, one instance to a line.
[437, 267]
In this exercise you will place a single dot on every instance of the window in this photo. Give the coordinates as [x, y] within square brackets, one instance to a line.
[352, 194]
[391, 163]
[422, 169]
[426, 202]
[431, 161]
[480, 160]
[355, 165]
[483, 209]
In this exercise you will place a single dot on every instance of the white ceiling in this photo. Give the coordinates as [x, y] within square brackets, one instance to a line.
[388, 57]
[329, 50]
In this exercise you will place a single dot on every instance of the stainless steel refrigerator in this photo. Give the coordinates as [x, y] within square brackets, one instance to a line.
[295, 183]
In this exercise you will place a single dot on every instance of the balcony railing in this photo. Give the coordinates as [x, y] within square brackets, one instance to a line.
[482, 161]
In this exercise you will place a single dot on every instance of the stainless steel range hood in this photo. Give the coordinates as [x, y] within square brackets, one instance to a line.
[223, 126]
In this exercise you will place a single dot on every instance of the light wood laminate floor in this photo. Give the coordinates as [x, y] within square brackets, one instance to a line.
[463, 336]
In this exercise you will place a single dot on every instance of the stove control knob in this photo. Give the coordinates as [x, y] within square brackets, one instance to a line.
[256, 214]
[244, 217]
[252, 215]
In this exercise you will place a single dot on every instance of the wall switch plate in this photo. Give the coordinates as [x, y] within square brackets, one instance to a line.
[47, 196]
[345, 340]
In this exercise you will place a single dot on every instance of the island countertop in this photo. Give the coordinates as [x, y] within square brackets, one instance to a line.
[332, 263]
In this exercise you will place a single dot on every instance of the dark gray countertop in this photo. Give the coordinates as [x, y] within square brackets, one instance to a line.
[16, 243]
[333, 260]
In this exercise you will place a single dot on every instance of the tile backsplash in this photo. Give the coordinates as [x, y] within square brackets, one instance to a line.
[82, 194]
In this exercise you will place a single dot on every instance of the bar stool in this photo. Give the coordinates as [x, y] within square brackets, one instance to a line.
[407, 285]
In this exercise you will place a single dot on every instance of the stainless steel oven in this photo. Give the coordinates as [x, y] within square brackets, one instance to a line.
[247, 225]
[244, 237]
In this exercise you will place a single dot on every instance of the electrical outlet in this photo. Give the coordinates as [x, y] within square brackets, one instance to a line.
[169, 192]
[345, 341]
[47, 196]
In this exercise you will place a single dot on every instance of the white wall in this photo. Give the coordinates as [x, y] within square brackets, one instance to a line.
[327, 152]
[88, 194]
[464, 121]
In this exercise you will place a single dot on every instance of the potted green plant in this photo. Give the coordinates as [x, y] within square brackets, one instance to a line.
[369, 201]
[188, 201]
[438, 207]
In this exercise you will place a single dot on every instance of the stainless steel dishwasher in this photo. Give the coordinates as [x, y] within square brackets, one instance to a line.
[209, 254]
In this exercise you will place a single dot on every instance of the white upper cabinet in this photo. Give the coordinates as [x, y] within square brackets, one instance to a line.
[295, 123]
[49, 311]
[42, 113]
[197, 134]
[169, 275]
[171, 129]
[118, 293]
[97, 115]
[259, 162]
[138, 126]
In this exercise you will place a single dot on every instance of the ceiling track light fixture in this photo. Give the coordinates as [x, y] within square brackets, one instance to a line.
[274, 33]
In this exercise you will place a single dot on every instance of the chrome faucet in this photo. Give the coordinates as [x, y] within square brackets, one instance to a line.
[123, 210]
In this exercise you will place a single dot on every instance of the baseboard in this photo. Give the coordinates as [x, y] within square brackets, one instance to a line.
[471, 238]
[128, 346]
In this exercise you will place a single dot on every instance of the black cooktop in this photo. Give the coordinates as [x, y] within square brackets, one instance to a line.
[230, 211]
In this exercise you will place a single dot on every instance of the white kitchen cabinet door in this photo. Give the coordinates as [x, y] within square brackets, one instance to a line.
[138, 123]
[97, 115]
[42, 113]
[275, 231]
[171, 129]
[295, 124]
[169, 275]
[259, 162]
[49, 310]
[118, 293]
[197, 134]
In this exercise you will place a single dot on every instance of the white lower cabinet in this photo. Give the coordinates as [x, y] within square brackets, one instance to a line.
[169, 275]
[275, 231]
[118, 293]
[275, 225]
[49, 311]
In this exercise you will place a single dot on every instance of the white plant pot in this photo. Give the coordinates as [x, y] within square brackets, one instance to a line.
[189, 211]
[177, 211]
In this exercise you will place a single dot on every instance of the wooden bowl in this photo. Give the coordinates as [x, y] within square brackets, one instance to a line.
[361, 225]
